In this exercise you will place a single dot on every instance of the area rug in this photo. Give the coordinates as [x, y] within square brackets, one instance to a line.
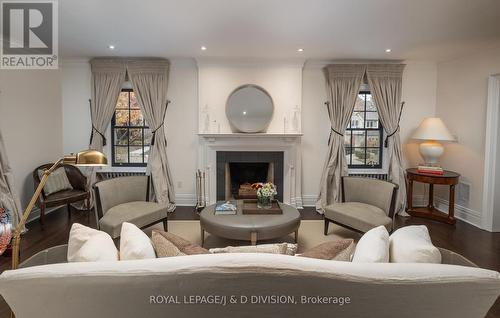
[310, 234]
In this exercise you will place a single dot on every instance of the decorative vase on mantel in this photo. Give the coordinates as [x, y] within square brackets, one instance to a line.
[265, 194]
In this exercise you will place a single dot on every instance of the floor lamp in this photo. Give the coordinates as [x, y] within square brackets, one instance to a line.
[89, 158]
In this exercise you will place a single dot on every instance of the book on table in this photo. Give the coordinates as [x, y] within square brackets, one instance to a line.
[430, 170]
[226, 208]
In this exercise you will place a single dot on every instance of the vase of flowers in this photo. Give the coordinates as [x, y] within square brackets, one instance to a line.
[265, 194]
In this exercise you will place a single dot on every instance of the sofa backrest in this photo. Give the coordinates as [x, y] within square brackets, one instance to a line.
[149, 287]
[371, 191]
[112, 192]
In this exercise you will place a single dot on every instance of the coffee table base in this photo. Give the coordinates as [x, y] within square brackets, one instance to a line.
[253, 237]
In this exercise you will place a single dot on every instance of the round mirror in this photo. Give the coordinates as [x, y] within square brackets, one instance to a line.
[249, 109]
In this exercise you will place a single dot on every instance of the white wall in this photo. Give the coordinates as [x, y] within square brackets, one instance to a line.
[31, 122]
[462, 90]
[181, 120]
[217, 79]
[419, 93]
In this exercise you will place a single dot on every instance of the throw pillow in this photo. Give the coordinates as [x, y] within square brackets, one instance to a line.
[57, 181]
[184, 246]
[134, 243]
[89, 245]
[412, 244]
[339, 250]
[163, 247]
[291, 248]
[373, 247]
[270, 249]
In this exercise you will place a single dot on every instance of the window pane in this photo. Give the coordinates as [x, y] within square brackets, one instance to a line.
[135, 154]
[121, 136]
[360, 103]
[370, 103]
[122, 100]
[136, 118]
[358, 138]
[121, 118]
[147, 136]
[372, 120]
[357, 120]
[348, 152]
[121, 154]
[135, 136]
[347, 138]
[358, 156]
[373, 157]
[373, 138]
[133, 101]
[146, 153]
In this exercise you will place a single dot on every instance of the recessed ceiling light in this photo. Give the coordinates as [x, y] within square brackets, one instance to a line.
[300, 50]
[203, 48]
[388, 50]
[111, 47]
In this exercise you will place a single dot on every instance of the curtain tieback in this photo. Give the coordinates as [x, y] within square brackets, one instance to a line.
[100, 133]
[162, 123]
[386, 142]
[333, 130]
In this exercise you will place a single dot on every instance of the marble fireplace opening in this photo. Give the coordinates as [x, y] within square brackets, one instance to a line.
[237, 170]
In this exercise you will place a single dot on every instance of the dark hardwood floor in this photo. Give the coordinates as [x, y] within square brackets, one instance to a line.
[481, 247]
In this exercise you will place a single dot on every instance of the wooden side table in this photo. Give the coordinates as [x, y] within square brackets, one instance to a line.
[449, 178]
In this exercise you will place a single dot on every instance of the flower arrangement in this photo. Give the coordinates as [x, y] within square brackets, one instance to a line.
[265, 194]
[5, 230]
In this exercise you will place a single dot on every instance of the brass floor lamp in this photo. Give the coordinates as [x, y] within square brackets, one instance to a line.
[90, 158]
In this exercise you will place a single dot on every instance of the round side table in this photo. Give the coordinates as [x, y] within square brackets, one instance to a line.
[449, 178]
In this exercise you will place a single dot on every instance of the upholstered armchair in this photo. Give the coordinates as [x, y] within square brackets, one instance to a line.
[65, 197]
[126, 199]
[366, 203]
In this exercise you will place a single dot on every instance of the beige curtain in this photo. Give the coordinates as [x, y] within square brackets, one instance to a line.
[8, 196]
[149, 79]
[343, 83]
[385, 82]
[108, 76]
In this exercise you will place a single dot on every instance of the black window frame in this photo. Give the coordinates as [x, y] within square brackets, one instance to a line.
[128, 127]
[349, 150]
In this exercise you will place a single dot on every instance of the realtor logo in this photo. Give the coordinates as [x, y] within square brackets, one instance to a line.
[29, 35]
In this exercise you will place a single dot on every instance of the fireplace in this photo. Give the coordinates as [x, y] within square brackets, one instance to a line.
[236, 170]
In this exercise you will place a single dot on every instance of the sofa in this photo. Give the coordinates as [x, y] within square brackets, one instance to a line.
[247, 285]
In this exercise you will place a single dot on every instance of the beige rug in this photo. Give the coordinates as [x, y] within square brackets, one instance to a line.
[310, 234]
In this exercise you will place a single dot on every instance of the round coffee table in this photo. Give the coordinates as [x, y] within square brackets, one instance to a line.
[251, 227]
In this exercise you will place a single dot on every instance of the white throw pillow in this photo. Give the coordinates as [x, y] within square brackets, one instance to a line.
[90, 245]
[134, 243]
[373, 247]
[412, 244]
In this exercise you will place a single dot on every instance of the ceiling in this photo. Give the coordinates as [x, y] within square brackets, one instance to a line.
[325, 29]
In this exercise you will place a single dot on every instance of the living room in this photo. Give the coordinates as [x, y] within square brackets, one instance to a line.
[250, 127]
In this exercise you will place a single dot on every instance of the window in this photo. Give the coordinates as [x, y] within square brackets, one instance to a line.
[363, 138]
[130, 133]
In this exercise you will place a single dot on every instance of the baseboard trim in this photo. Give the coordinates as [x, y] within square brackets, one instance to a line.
[185, 199]
[309, 200]
[462, 213]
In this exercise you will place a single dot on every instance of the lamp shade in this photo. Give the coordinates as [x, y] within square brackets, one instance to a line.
[91, 158]
[433, 128]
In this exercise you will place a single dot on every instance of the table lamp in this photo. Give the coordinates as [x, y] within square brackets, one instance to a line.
[432, 130]
[89, 158]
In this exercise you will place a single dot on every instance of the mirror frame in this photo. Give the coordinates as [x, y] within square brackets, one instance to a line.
[233, 128]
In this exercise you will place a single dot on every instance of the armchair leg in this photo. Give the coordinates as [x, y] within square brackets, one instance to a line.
[326, 226]
[42, 214]
[88, 210]
[165, 225]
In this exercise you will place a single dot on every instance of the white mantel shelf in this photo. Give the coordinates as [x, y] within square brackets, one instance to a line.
[250, 135]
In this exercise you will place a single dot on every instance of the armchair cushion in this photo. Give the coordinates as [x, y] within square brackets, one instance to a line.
[358, 215]
[139, 213]
[57, 181]
[66, 196]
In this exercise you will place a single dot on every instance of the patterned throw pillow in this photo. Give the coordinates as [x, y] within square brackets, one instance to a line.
[57, 181]
[339, 250]
[280, 248]
[168, 245]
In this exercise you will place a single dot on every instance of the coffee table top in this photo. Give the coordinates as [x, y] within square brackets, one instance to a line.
[239, 226]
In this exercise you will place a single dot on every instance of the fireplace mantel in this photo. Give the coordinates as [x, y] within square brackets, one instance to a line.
[288, 143]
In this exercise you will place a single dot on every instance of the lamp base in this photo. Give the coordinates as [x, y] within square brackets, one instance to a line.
[431, 151]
